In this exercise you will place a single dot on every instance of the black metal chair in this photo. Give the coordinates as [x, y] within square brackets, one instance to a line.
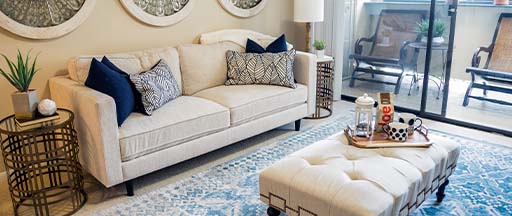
[496, 75]
[388, 52]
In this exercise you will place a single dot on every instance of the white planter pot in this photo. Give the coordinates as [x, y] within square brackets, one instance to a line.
[436, 40]
[320, 53]
[25, 104]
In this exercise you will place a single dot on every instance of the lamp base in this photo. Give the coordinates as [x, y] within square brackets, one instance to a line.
[308, 36]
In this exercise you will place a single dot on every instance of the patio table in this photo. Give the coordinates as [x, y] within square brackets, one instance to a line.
[416, 77]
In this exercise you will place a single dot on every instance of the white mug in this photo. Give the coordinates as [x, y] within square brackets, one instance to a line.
[411, 120]
[396, 131]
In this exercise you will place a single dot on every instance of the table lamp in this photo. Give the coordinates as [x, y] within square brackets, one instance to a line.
[308, 11]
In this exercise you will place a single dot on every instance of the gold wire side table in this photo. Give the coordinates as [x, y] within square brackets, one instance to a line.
[324, 88]
[42, 167]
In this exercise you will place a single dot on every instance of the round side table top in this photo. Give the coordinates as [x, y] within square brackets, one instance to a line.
[423, 45]
[326, 58]
[9, 126]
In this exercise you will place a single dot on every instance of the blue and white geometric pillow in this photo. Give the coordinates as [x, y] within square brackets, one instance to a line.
[265, 68]
[157, 86]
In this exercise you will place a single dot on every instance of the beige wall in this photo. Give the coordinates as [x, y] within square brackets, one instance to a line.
[110, 28]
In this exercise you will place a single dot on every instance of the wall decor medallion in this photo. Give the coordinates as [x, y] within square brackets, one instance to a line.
[159, 12]
[243, 8]
[38, 19]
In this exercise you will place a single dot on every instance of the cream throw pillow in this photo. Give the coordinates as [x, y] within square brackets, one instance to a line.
[204, 66]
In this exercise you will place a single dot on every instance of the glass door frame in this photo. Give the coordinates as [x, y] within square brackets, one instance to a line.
[452, 13]
[422, 112]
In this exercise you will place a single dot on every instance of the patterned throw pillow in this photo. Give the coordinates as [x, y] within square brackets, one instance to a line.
[265, 68]
[157, 86]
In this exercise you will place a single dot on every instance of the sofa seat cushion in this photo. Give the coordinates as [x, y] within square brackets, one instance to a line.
[181, 120]
[249, 102]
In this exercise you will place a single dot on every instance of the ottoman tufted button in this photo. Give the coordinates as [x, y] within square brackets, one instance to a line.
[351, 157]
[313, 161]
[323, 160]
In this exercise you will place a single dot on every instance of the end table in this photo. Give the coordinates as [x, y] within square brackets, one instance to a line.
[324, 88]
[42, 166]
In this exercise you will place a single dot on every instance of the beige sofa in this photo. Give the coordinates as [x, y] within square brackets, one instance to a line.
[208, 116]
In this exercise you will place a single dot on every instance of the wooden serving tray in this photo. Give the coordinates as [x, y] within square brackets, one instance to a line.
[380, 139]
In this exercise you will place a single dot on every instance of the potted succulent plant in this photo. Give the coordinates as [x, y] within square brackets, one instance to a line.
[21, 72]
[320, 48]
[439, 28]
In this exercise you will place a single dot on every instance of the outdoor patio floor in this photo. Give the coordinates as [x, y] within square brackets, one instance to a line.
[478, 112]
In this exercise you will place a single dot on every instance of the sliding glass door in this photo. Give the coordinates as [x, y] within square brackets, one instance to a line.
[480, 85]
[417, 50]
[472, 92]
[439, 48]
[391, 52]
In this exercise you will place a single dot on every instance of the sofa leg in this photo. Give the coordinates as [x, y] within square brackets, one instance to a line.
[440, 192]
[129, 188]
[273, 211]
[297, 125]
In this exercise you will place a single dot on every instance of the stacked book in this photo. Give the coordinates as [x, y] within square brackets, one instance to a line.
[38, 121]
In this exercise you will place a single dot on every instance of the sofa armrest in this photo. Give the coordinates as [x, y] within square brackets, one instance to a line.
[96, 127]
[304, 69]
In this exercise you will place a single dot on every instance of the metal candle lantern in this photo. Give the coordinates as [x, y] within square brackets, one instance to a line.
[364, 116]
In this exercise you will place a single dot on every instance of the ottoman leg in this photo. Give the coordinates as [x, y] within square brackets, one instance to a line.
[440, 192]
[271, 211]
[297, 125]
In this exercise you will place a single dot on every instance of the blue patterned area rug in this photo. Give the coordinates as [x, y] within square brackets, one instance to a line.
[481, 185]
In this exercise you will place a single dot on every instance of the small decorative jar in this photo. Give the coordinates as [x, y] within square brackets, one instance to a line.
[364, 116]
[501, 2]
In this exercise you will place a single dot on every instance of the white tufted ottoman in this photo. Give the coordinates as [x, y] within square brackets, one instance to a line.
[333, 178]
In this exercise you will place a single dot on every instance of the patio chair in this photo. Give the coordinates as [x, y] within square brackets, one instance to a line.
[388, 51]
[496, 75]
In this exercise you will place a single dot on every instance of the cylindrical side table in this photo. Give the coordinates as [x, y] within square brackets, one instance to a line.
[43, 171]
[324, 88]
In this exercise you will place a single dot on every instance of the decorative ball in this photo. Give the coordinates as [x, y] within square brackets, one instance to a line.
[47, 107]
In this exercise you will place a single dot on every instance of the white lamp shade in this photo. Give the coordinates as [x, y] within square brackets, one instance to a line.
[308, 10]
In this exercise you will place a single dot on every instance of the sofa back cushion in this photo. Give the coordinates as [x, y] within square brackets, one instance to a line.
[238, 36]
[204, 66]
[130, 62]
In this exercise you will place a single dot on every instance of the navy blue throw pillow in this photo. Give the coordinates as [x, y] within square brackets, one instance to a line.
[112, 66]
[253, 47]
[139, 107]
[108, 81]
[277, 46]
